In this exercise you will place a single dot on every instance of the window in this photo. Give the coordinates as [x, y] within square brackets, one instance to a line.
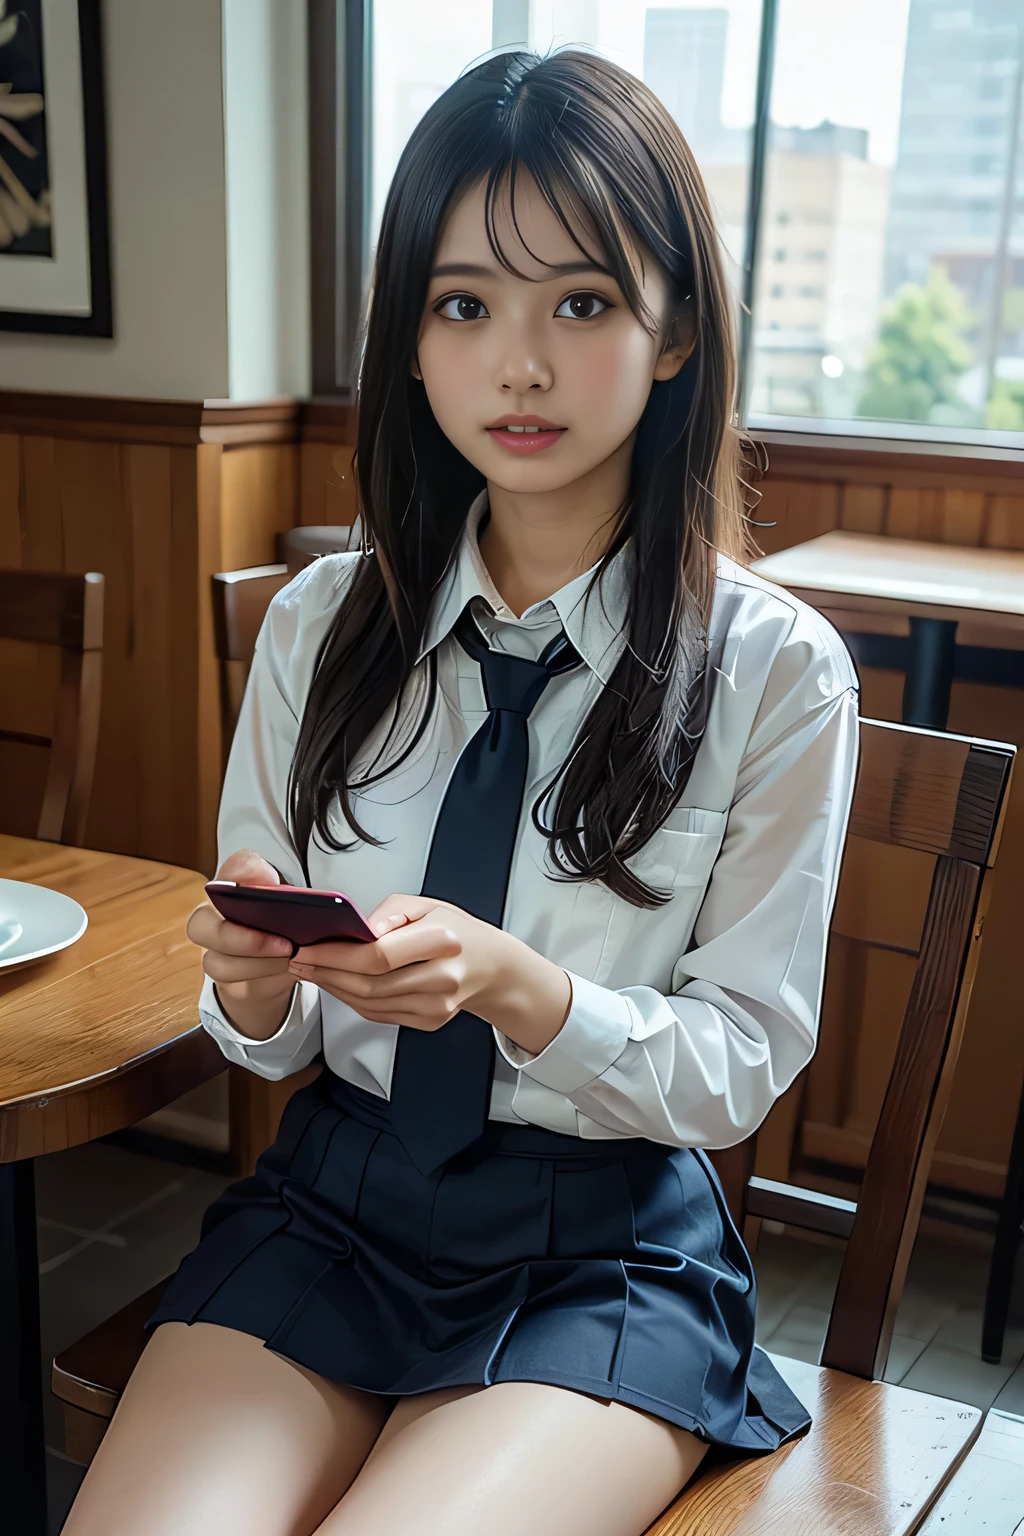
[883, 132]
[918, 317]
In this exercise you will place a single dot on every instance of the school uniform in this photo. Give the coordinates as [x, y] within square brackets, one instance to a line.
[582, 1238]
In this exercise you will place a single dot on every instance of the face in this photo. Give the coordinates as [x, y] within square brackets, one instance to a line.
[536, 379]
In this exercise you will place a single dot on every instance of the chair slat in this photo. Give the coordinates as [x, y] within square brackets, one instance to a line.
[241, 600]
[916, 788]
[875, 1263]
[908, 786]
[51, 608]
[56, 609]
[807, 1208]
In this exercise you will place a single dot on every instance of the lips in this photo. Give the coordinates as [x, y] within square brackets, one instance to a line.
[525, 434]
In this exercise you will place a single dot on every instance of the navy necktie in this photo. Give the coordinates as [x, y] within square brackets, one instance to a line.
[441, 1083]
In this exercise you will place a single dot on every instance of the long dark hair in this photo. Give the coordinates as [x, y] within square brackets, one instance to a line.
[597, 142]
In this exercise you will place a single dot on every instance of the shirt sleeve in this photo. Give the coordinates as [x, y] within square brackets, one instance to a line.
[254, 794]
[703, 1065]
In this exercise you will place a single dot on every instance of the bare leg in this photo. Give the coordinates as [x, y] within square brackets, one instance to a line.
[216, 1435]
[516, 1457]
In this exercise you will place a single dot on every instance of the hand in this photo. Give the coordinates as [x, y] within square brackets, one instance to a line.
[434, 960]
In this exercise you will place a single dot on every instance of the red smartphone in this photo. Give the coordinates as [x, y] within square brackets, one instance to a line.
[292, 911]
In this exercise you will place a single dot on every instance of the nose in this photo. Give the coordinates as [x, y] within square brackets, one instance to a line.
[522, 365]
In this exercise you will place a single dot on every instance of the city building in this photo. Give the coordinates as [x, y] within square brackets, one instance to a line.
[961, 85]
[819, 282]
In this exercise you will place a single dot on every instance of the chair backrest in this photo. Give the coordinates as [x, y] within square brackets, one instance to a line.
[299, 546]
[240, 602]
[942, 797]
[55, 609]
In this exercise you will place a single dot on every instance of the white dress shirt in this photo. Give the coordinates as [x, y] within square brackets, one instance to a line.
[687, 1021]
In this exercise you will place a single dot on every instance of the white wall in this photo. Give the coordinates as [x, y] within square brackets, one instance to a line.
[266, 142]
[165, 132]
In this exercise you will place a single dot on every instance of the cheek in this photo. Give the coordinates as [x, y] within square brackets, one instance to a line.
[450, 380]
[611, 379]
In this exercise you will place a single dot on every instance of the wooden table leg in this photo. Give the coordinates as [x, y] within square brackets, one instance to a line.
[929, 676]
[22, 1443]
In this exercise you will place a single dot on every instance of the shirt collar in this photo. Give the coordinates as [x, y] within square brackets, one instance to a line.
[593, 614]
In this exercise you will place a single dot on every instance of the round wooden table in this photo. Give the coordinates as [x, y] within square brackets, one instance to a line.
[91, 1040]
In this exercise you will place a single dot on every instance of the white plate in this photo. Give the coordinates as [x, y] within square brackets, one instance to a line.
[35, 921]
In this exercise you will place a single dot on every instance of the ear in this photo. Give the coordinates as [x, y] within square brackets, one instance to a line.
[415, 369]
[679, 345]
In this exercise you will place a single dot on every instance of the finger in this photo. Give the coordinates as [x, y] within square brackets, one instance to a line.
[345, 955]
[209, 930]
[413, 942]
[385, 921]
[249, 868]
[383, 1011]
[410, 907]
[229, 968]
[432, 979]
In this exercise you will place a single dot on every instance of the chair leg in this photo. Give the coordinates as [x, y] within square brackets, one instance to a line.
[1004, 1251]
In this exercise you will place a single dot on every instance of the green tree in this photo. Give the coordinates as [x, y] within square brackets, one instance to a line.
[920, 353]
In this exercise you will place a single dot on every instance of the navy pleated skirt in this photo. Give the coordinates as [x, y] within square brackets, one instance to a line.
[610, 1267]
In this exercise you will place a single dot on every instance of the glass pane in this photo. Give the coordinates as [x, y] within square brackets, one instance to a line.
[701, 60]
[890, 281]
[418, 51]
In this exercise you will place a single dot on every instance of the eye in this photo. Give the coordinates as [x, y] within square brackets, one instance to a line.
[461, 306]
[581, 306]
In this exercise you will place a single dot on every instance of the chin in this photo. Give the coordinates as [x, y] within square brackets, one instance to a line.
[530, 475]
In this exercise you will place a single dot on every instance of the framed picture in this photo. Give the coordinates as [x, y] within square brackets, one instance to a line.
[54, 234]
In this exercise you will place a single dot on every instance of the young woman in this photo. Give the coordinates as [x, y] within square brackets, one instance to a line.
[592, 778]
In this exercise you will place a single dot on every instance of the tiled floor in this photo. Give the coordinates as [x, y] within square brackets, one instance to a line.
[112, 1223]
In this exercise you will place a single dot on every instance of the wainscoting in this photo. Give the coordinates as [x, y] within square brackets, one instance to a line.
[157, 496]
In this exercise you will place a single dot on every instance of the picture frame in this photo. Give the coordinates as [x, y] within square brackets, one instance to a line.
[54, 220]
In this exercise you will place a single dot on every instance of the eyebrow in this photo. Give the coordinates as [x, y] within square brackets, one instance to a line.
[557, 269]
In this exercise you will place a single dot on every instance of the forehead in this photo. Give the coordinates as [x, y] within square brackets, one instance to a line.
[528, 232]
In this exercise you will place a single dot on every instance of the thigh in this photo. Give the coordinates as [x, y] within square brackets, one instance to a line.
[215, 1434]
[519, 1456]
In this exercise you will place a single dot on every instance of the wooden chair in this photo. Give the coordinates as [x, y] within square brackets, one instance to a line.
[877, 1455]
[240, 602]
[298, 547]
[51, 608]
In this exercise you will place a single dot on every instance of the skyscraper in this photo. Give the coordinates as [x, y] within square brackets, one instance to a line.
[684, 64]
[961, 76]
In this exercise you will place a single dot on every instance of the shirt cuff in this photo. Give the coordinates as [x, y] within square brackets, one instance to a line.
[592, 1038]
[305, 997]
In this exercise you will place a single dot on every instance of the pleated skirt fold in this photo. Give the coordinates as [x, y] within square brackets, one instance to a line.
[611, 1268]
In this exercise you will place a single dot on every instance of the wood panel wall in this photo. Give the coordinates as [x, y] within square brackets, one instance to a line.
[157, 496]
[969, 501]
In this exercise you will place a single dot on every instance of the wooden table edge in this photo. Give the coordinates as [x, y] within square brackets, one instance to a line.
[842, 600]
[97, 1079]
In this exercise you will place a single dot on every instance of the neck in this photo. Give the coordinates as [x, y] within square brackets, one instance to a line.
[536, 542]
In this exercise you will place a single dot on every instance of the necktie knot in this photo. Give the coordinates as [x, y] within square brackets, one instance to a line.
[511, 682]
